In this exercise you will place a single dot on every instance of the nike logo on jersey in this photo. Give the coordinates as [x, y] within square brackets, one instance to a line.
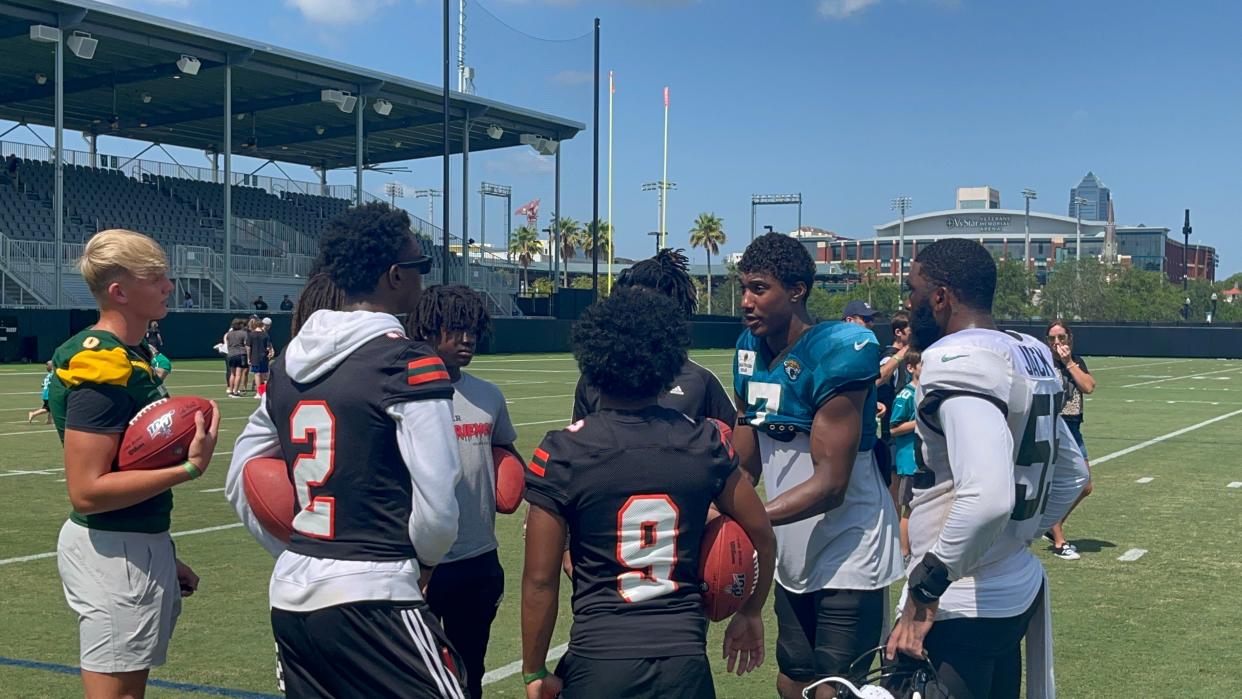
[859, 345]
[951, 357]
[676, 391]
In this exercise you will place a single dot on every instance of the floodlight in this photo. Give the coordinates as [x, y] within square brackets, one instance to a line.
[344, 101]
[82, 45]
[495, 132]
[542, 145]
[41, 78]
[382, 107]
[189, 65]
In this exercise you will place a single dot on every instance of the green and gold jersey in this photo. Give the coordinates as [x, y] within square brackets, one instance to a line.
[99, 384]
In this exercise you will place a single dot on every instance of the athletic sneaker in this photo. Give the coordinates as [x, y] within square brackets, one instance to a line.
[1066, 552]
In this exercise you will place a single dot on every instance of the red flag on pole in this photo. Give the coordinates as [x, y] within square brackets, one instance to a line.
[612, 86]
[666, 97]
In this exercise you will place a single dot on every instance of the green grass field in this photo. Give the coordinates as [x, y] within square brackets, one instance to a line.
[1122, 629]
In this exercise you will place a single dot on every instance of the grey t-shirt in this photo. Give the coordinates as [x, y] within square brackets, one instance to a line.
[481, 420]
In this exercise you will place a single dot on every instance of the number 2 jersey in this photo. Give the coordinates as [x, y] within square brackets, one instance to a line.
[362, 418]
[633, 488]
[853, 546]
[994, 473]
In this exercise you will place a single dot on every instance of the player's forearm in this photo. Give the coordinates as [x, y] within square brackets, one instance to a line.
[980, 456]
[116, 490]
[746, 446]
[887, 369]
[539, 600]
[822, 492]
[904, 428]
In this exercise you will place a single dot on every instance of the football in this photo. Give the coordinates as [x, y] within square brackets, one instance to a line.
[160, 434]
[510, 480]
[726, 432]
[728, 567]
[265, 481]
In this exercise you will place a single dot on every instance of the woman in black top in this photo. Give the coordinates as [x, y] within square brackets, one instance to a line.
[154, 338]
[1078, 382]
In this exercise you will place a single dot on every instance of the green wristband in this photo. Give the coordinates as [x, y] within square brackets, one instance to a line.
[536, 675]
[192, 470]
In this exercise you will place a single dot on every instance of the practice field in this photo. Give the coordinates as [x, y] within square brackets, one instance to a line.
[1150, 606]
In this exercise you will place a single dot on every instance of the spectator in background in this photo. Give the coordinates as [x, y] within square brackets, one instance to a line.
[11, 165]
[47, 382]
[189, 300]
[161, 366]
[286, 304]
[901, 420]
[260, 304]
[1078, 382]
[236, 343]
[859, 313]
[154, 338]
[260, 350]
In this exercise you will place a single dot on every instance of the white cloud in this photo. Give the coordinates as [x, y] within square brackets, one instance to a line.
[521, 161]
[841, 9]
[569, 78]
[338, 11]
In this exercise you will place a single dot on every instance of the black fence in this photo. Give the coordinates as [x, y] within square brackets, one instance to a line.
[29, 335]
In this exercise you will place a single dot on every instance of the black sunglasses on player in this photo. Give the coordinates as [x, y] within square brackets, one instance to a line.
[421, 263]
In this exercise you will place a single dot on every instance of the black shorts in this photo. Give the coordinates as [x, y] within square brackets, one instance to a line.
[465, 596]
[980, 658]
[819, 634]
[674, 677]
[238, 361]
[259, 367]
[369, 649]
[45, 405]
[905, 493]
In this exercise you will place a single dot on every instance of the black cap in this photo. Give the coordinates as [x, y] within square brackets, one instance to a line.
[862, 309]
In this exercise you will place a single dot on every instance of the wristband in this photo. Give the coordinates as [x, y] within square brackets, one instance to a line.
[191, 469]
[536, 675]
[928, 580]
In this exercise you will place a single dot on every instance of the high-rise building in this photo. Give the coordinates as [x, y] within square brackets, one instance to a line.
[1097, 196]
[978, 198]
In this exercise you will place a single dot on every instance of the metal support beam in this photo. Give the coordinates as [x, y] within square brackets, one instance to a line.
[444, 135]
[228, 186]
[248, 107]
[465, 204]
[334, 132]
[556, 221]
[94, 82]
[359, 145]
[58, 197]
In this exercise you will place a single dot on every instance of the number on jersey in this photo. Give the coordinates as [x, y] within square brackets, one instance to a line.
[647, 545]
[1035, 456]
[312, 422]
[765, 397]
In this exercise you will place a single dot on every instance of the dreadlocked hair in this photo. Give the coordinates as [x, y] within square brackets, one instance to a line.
[447, 309]
[320, 293]
[668, 273]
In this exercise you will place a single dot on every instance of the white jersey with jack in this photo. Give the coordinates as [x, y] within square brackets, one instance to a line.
[983, 492]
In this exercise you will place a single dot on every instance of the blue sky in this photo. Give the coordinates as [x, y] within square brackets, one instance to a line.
[850, 102]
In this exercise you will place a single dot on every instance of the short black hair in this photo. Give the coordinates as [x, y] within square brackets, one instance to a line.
[900, 320]
[668, 273]
[964, 266]
[781, 256]
[632, 344]
[359, 245]
[449, 308]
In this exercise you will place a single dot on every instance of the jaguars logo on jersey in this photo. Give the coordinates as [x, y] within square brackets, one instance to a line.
[793, 369]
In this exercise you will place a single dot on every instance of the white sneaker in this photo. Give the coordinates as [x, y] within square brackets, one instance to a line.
[1066, 552]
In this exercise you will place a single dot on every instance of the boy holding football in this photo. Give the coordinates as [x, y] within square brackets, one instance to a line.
[468, 585]
[115, 557]
[631, 485]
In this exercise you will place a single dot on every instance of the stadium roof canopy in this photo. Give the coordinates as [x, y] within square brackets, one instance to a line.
[133, 88]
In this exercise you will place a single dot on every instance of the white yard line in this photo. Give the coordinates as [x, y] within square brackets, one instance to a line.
[1187, 376]
[1235, 484]
[543, 422]
[515, 667]
[1132, 555]
[1144, 479]
[1136, 366]
[50, 554]
[1163, 437]
[41, 472]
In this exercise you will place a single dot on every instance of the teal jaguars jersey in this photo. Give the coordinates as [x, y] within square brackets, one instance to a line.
[782, 393]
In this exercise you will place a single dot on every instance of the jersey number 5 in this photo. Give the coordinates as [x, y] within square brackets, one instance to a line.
[312, 423]
[647, 544]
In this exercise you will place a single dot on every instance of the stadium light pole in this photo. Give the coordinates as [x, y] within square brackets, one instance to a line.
[393, 190]
[660, 187]
[595, 177]
[444, 135]
[901, 204]
[59, 193]
[1186, 254]
[487, 189]
[1028, 194]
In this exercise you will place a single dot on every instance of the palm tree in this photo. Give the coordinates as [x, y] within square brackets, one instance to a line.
[571, 239]
[588, 244]
[524, 246]
[708, 233]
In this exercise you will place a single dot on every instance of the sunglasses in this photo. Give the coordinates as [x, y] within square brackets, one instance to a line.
[1059, 337]
[421, 263]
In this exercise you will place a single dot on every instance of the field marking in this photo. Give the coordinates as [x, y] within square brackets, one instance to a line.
[1187, 376]
[544, 422]
[1144, 479]
[513, 400]
[213, 490]
[1132, 555]
[50, 554]
[23, 472]
[1235, 484]
[1136, 366]
[515, 667]
[180, 686]
[527, 371]
[1163, 437]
